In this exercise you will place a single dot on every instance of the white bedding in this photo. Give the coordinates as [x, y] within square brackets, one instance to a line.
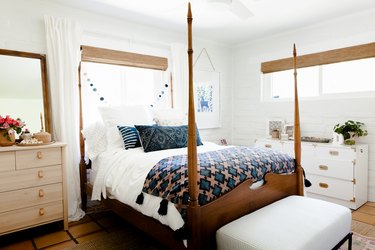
[123, 172]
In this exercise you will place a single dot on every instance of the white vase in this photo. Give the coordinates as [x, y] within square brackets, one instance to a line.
[337, 139]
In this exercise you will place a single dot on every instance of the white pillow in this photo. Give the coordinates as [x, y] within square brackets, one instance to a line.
[169, 117]
[123, 116]
[95, 139]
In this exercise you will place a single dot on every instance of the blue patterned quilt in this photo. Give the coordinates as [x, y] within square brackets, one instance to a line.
[219, 172]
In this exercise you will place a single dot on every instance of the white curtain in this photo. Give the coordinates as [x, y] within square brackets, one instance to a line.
[63, 56]
[180, 76]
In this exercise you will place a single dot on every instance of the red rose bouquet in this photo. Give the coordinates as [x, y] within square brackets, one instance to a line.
[11, 125]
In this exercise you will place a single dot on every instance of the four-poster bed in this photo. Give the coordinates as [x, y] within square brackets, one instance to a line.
[203, 221]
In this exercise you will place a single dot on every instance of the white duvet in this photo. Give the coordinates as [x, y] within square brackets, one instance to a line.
[123, 172]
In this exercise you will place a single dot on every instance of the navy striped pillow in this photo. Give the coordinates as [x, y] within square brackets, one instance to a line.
[129, 136]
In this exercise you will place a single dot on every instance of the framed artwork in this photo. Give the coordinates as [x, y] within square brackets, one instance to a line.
[207, 99]
[289, 129]
[274, 125]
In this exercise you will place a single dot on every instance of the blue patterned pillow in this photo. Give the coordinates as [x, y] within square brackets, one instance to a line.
[129, 136]
[155, 138]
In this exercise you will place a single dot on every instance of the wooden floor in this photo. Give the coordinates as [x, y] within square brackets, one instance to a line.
[101, 223]
[363, 220]
[52, 236]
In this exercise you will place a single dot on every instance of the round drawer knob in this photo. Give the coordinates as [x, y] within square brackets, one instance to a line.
[41, 193]
[40, 174]
[39, 155]
[41, 211]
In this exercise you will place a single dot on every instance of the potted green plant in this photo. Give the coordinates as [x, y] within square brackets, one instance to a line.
[350, 130]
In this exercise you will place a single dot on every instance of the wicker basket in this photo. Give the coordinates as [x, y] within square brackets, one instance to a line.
[45, 137]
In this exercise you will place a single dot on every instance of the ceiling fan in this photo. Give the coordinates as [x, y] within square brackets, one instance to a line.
[235, 6]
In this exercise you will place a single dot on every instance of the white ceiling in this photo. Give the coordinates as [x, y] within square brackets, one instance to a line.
[216, 22]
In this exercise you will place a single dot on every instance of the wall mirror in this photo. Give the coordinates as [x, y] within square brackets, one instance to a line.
[24, 89]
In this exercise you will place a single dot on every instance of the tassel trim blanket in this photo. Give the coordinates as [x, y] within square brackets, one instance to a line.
[219, 172]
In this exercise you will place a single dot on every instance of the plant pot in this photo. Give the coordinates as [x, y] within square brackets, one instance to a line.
[349, 142]
[337, 139]
[4, 141]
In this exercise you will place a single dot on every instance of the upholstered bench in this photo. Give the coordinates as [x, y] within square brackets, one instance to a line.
[294, 222]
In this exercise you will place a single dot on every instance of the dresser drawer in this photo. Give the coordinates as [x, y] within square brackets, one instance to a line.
[26, 217]
[331, 168]
[269, 144]
[14, 180]
[336, 153]
[331, 187]
[38, 158]
[7, 161]
[30, 197]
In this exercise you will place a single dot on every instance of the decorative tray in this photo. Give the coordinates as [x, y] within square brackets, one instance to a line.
[33, 144]
[315, 139]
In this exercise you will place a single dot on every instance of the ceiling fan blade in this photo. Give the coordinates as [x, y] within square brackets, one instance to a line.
[240, 10]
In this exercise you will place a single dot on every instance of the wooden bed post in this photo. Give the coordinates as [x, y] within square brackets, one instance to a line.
[193, 212]
[297, 128]
[82, 164]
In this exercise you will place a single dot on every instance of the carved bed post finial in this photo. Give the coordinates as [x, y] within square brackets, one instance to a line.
[297, 128]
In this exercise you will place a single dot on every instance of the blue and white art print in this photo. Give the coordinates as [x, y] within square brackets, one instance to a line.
[207, 99]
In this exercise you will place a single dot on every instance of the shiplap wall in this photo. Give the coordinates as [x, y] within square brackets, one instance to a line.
[317, 116]
[22, 28]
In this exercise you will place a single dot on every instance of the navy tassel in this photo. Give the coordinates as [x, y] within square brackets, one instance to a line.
[140, 199]
[163, 209]
[307, 182]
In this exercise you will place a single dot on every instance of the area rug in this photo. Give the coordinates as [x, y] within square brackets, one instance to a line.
[360, 242]
[131, 238]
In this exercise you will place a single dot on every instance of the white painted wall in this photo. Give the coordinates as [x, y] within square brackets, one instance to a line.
[317, 117]
[22, 28]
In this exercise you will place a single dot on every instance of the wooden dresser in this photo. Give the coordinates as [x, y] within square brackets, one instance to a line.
[32, 186]
[338, 173]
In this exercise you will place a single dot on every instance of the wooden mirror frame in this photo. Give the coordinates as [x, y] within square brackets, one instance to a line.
[43, 68]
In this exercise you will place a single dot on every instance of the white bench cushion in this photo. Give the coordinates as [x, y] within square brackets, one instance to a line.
[294, 222]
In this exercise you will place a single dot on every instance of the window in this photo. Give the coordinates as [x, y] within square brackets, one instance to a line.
[319, 81]
[283, 83]
[348, 77]
[115, 78]
[332, 73]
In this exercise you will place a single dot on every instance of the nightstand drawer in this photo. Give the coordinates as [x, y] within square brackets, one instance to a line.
[331, 168]
[30, 197]
[331, 187]
[22, 218]
[14, 180]
[38, 158]
[7, 161]
[336, 153]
